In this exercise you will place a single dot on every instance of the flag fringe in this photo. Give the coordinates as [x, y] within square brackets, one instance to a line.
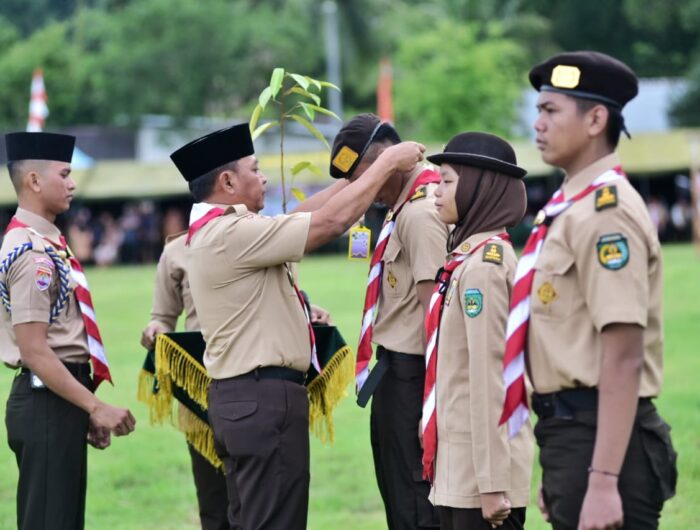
[173, 363]
[199, 435]
[160, 402]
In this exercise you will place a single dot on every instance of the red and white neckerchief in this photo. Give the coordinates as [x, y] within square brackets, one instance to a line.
[200, 215]
[374, 281]
[98, 358]
[515, 408]
[432, 329]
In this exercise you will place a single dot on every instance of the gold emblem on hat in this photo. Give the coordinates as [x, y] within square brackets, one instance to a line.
[564, 76]
[546, 293]
[465, 247]
[392, 280]
[345, 158]
[540, 218]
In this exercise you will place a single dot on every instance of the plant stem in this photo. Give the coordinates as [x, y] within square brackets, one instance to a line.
[284, 187]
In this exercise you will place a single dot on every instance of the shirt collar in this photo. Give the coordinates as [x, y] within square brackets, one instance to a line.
[574, 184]
[409, 183]
[38, 223]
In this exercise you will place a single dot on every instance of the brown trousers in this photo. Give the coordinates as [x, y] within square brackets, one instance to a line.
[397, 405]
[212, 499]
[471, 519]
[647, 478]
[261, 433]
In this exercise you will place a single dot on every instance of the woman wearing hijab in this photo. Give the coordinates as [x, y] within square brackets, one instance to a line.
[480, 477]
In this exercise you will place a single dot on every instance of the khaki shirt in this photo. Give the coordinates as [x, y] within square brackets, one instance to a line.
[413, 254]
[600, 264]
[247, 307]
[33, 285]
[172, 293]
[474, 455]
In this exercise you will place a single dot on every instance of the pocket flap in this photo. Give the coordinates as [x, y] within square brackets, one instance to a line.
[237, 410]
[392, 250]
[555, 260]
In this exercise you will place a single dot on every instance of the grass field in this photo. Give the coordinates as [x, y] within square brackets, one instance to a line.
[143, 481]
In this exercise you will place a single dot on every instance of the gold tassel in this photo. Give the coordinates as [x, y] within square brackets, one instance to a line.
[199, 435]
[326, 391]
[174, 363]
[160, 403]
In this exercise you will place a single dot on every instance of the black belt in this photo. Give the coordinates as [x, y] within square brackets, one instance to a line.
[77, 369]
[273, 372]
[384, 358]
[566, 403]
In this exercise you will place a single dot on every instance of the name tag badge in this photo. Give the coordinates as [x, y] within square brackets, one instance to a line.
[358, 243]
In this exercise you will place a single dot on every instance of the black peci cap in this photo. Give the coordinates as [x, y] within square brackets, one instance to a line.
[39, 146]
[587, 75]
[213, 150]
[480, 150]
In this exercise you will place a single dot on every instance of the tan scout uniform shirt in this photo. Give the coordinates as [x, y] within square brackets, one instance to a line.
[247, 307]
[30, 298]
[413, 254]
[172, 293]
[600, 264]
[474, 455]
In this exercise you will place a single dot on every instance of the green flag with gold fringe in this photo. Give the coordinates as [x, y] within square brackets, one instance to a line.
[175, 369]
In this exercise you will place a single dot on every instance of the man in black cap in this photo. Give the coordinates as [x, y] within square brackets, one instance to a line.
[253, 317]
[591, 278]
[409, 252]
[50, 336]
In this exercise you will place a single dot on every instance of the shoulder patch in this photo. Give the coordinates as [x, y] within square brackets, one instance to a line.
[421, 193]
[473, 302]
[493, 253]
[606, 197]
[613, 251]
[43, 276]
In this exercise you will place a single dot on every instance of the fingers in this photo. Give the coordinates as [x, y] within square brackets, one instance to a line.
[541, 505]
[126, 425]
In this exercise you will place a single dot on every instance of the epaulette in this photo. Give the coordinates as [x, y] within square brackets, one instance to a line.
[420, 193]
[173, 237]
[606, 197]
[493, 253]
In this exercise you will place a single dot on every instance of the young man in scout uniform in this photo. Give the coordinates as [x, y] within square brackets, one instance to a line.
[409, 252]
[253, 317]
[171, 296]
[49, 334]
[589, 285]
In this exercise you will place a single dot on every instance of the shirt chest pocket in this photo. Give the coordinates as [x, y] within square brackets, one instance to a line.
[397, 276]
[555, 293]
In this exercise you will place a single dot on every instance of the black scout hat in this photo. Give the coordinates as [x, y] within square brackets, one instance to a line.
[39, 146]
[480, 150]
[353, 140]
[587, 75]
[213, 150]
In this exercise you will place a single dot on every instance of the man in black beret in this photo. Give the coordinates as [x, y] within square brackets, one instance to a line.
[253, 317]
[409, 251]
[591, 280]
[50, 337]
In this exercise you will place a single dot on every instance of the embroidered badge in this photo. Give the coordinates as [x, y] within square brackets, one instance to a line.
[358, 243]
[42, 277]
[465, 247]
[613, 251]
[450, 292]
[420, 193]
[565, 76]
[539, 219]
[493, 253]
[605, 197]
[345, 158]
[546, 293]
[391, 279]
[473, 302]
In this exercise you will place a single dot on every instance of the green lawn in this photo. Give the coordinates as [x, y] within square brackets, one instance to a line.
[143, 481]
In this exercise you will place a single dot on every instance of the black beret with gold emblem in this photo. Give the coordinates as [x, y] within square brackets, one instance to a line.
[587, 75]
[353, 140]
[209, 152]
[39, 146]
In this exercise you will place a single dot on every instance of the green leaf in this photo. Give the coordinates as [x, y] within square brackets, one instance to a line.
[309, 111]
[329, 85]
[300, 80]
[264, 127]
[255, 117]
[276, 81]
[265, 96]
[323, 111]
[298, 194]
[306, 93]
[306, 164]
[309, 127]
[314, 82]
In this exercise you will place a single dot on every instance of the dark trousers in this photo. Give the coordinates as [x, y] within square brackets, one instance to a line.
[647, 478]
[396, 411]
[471, 519]
[49, 438]
[212, 498]
[261, 433]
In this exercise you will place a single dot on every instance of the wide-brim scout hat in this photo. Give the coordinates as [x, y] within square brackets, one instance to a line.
[209, 152]
[39, 146]
[352, 141]
[587, 75]
[480, 150]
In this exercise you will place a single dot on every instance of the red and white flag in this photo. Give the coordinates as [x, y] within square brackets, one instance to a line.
[38, 104]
